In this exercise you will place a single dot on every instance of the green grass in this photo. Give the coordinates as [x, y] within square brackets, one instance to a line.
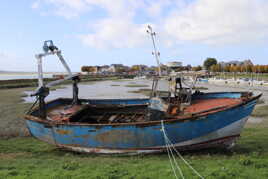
[261, 111]
[136, 85]
[11, 113]
[26, 157]
[200, 88]
[147, 92]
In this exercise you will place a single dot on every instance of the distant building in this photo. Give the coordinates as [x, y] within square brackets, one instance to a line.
[104, 69]
[114, 68]
[174, 64]
[248, 62]
[236, 63]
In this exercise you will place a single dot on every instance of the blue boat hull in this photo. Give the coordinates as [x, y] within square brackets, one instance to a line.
[219, 128]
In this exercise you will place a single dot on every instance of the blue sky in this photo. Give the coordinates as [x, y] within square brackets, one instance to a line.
[98, 32]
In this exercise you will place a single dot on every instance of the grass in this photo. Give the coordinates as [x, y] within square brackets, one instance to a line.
[12, 110]
[200, 88]
[11, 113]
[26, 157]
[261, 111]
[147, 92]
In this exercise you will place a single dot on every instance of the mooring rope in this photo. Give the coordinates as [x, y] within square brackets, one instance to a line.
[174, 159]
[169, 150]
[168, 144]
[185, 161]
[173, 168]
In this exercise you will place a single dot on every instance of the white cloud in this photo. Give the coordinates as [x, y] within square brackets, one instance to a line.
[115, 33]
[35, 5]
[199, 21]
[155, 8]
[220, 22]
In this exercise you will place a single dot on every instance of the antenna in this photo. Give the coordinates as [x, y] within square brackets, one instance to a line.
[155, 52]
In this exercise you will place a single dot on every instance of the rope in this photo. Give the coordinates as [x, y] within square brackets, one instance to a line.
[171, 162]
[174, 160]
[179, 154]
[169, 149]
[168, 144]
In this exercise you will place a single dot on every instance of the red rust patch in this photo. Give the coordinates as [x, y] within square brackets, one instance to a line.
[63, 132]
[60, 113]
[207, 104]
[115, 136]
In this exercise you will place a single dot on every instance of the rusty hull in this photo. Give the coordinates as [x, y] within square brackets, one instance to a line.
[222, 125]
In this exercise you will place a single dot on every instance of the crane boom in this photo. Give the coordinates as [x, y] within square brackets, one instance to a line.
[43, 89]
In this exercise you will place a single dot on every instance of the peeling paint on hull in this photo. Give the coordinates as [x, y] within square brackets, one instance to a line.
[227, 142]
[218, 138]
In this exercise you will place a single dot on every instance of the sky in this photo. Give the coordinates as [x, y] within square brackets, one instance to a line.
[99, 32]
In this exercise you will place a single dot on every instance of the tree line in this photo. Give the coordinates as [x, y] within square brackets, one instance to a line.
[212, 65]
[240, 68]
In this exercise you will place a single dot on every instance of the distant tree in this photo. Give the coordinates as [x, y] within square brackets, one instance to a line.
[213, 68]
[209, 62]
[227, 68]
[84, 69]
[197, 68]
[216, 68]
[232, 68]
[135, 68]
[266, 68]
[262, 68]
[249, 68]
[238, 68]
[88, 69]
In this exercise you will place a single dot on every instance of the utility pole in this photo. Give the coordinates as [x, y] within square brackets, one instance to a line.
[155, 52]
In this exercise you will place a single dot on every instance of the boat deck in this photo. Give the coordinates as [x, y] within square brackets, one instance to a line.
[136, 113]
[205, 105]
[63, 113]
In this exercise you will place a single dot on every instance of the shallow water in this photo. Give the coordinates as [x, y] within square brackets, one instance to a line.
[99, 90]
[22, 76]
[118, 89]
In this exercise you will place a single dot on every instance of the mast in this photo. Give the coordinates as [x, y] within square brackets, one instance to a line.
[155, 52]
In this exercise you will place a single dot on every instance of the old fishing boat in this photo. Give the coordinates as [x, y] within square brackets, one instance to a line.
[192, 120]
